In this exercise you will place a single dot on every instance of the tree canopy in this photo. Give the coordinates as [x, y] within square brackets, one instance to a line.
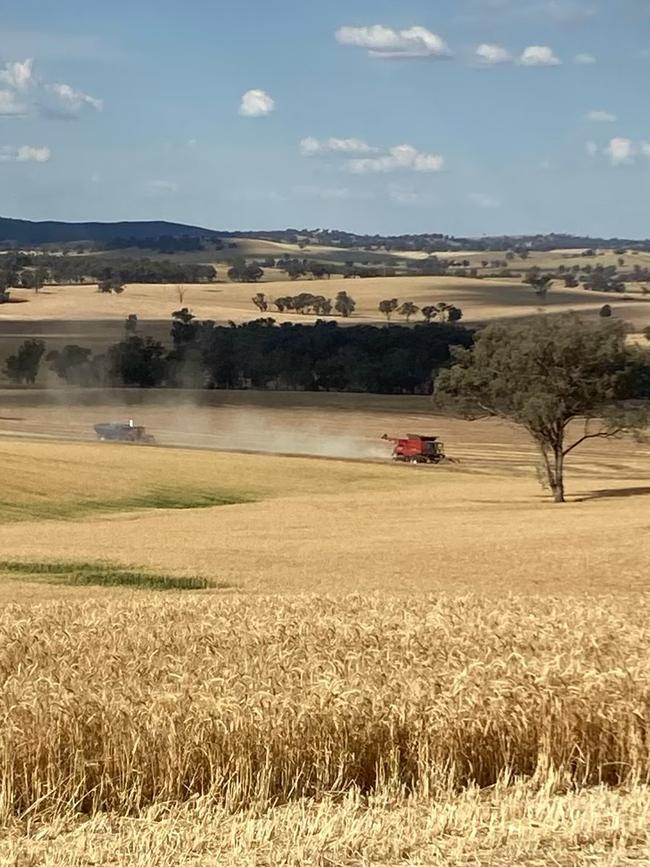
[564, 380]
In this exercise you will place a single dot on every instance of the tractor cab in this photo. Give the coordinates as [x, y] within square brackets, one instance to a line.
[123, 432]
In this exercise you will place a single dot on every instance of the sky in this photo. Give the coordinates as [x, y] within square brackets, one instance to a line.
[467, 117]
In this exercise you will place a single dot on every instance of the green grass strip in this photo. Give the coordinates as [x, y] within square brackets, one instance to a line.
[46, 508]
[102, 575]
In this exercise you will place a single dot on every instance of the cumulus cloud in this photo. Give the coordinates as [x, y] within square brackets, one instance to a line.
[539, 55]
[601, 117]
[18, 76]
[620, 151]
[400, 157]
[24, 154]
[256, 103]
[312, 146]
[9, 105]
[489, 54]
[584, 59]
[22, 92]
[388, 43]
[70, 101]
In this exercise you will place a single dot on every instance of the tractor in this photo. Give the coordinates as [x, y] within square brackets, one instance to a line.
[123, 432]
[417, 449]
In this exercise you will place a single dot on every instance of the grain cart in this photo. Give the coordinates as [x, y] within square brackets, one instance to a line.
[417, 449]
[123, 432]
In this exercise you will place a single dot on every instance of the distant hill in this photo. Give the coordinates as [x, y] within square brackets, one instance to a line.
[26, 232]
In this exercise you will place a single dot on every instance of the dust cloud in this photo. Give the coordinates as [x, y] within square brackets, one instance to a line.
[270, 431]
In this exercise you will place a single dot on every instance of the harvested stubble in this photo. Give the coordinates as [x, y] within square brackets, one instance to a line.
[124, 703]
[520, 824]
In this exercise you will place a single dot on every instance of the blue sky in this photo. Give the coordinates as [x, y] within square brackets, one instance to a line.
[458, 116]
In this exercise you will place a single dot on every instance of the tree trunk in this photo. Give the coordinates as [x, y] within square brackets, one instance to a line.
[557, 485]
[553, 457]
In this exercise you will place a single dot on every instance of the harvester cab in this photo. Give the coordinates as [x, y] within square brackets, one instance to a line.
[417, 449]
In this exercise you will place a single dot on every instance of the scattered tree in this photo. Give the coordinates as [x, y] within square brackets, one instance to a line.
[605, 311]
[408, 309]
[243, 272]
[388, 307]
[344, 304]
[261, 302]
[23, 366]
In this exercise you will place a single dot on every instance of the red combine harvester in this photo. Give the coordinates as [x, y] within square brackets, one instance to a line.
[417, 449]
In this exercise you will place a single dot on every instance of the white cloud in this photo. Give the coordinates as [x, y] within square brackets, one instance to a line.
[591, 148]
[72, 101]
[24, 154]
[481, 200]
[584, 59]
[9, 106]
[24, 93]
[312, 146]
[19, 76]
[539, 55]
[620, 151]
[489, 54]
[601, 117]
[645, 148]
[400, 157]
[27, 153]
[256, 103]
[389, 43]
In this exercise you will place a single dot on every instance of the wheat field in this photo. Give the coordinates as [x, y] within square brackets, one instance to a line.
[390, 666]
[325, 731]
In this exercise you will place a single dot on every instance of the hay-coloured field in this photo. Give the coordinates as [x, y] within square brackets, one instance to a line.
[480, 300]
[298, 523]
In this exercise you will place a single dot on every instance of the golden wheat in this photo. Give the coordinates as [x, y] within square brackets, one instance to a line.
[121, 705]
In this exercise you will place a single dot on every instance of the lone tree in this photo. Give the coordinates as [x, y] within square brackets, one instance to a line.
[344, 304]
[24, 365]
[541, 283]
[260, 301]
[408, 309]
[550, 376]
[388, 307]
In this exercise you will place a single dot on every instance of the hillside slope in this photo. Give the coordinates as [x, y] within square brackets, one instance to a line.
[53, 232]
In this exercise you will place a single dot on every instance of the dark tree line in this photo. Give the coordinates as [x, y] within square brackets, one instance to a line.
[263, 355]
[32, 272]
[165, 244]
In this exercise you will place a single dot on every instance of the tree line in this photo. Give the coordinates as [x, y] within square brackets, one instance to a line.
[258, 354]
[33, 272]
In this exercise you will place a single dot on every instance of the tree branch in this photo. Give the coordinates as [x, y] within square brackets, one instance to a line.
[600, 435]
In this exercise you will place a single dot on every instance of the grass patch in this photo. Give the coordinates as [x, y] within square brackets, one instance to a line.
[47, 507]
[101, 575]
